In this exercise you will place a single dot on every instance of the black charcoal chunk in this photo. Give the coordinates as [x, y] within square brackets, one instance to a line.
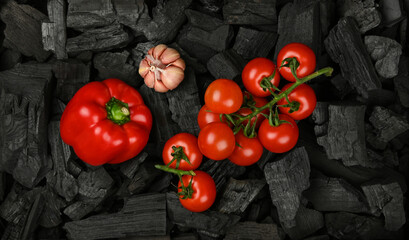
[349, 226]
[341, 85]
[184, 103]
[23, 29]
[253, 12]
[388, 125]
[287, 179]
[9, 58]
[190, 61]
[238, 194]
[71, 76]
[401, 82]
[168, 17]
[227, 64]
[142, 178]
[99, 39]
[335, 194]
[392, 12]
[320, 114]
[253, 230]
[302, 17]
[140, 51]
[142, 215]
[208, 31]
[345, 139]
[345, 46]
[386, 53]
[251, 43]
[212, 222]
[221, 171]
[58, 178]
[115, 65]
[54, 31]
[89, 14]
[381, 97]
[364, 13]
[320, 237]
[23, 121]
[131, 13]
[51, 215]
[308, 221]
[130, 167]
[386, 197]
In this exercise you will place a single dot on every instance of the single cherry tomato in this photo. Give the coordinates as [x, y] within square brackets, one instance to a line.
[279, 139]
[204, 192]
[206, 116]
[303, 94]
[255, 71]
[216, 141]
[258, 102]
[304, 55]
[182, 146]
[223, 96]
[247, 151]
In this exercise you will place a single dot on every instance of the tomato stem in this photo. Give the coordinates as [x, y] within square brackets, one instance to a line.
[178, 154]
[175, 171]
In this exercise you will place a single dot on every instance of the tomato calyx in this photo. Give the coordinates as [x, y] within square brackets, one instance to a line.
[178, 155]
[266, 84]
[293, 64]
[187, 191]
[118, 111]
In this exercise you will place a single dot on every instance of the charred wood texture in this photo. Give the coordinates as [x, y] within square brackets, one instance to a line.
[287, 179]
[251, 43]
[364, 13]
[227, 64]
[250, 12]
[253, 230]
[308, 221]
[387, 124]
[401, 82]
[54, 31]
[345, 46]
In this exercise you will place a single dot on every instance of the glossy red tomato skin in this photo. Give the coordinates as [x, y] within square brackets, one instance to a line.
[206, 116]
[279, 139]
[255, 71]
[189, 144]
[204, 192]
[216, 141]
[249, 151]
[305, 56]
[303, 94]
[223, 96]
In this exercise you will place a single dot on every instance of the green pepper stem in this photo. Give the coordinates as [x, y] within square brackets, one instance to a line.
[117, 111]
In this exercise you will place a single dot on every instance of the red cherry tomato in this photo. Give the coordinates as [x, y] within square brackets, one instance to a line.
[259, 102]
[206, 116]
[204, 192]
[305, 57]
[216, 141]
[188, 143]
[255, 71]
[248, 152]
[303, 94]
[223, 96]
[281, 138]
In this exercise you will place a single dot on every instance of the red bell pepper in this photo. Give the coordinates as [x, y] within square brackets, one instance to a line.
[106, 122]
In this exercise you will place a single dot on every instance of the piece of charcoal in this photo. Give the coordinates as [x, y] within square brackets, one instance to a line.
[143, 177]
[251, 43]
[51, 215]
[168, 17]
[131, 13]
[130, 167]
[210, 6]
[23, 120]
[381, 97]
[85, 57]
[254, 12]
[335, 194]
[114, 65]
[23, 29]
[189, 236]
[140, 51]
[386, 197]
[190, 61]
[402, 88]
[392, 12]
[387, 124]
[227, 64]
[184, 103]
[345, 139]
[142, 215]
[71, 76]
[287, 178]
[89, 14]
[208, 31]
[386, 53]
[58, 178]
[341, 85]
[303, 18]
[99, 39]
[349, 226]
[320, 237]
[345, 46]
[308, 221]
[213, 222]
[221, 171]
[320, 114]
[238, 194]
[54, 31]
[9, 58]
[372, 138]
[365, 13]
[252, 230]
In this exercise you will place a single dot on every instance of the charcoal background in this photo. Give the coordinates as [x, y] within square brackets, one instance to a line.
[345, 179]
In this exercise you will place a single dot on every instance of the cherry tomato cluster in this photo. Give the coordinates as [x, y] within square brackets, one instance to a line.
[238, 125]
